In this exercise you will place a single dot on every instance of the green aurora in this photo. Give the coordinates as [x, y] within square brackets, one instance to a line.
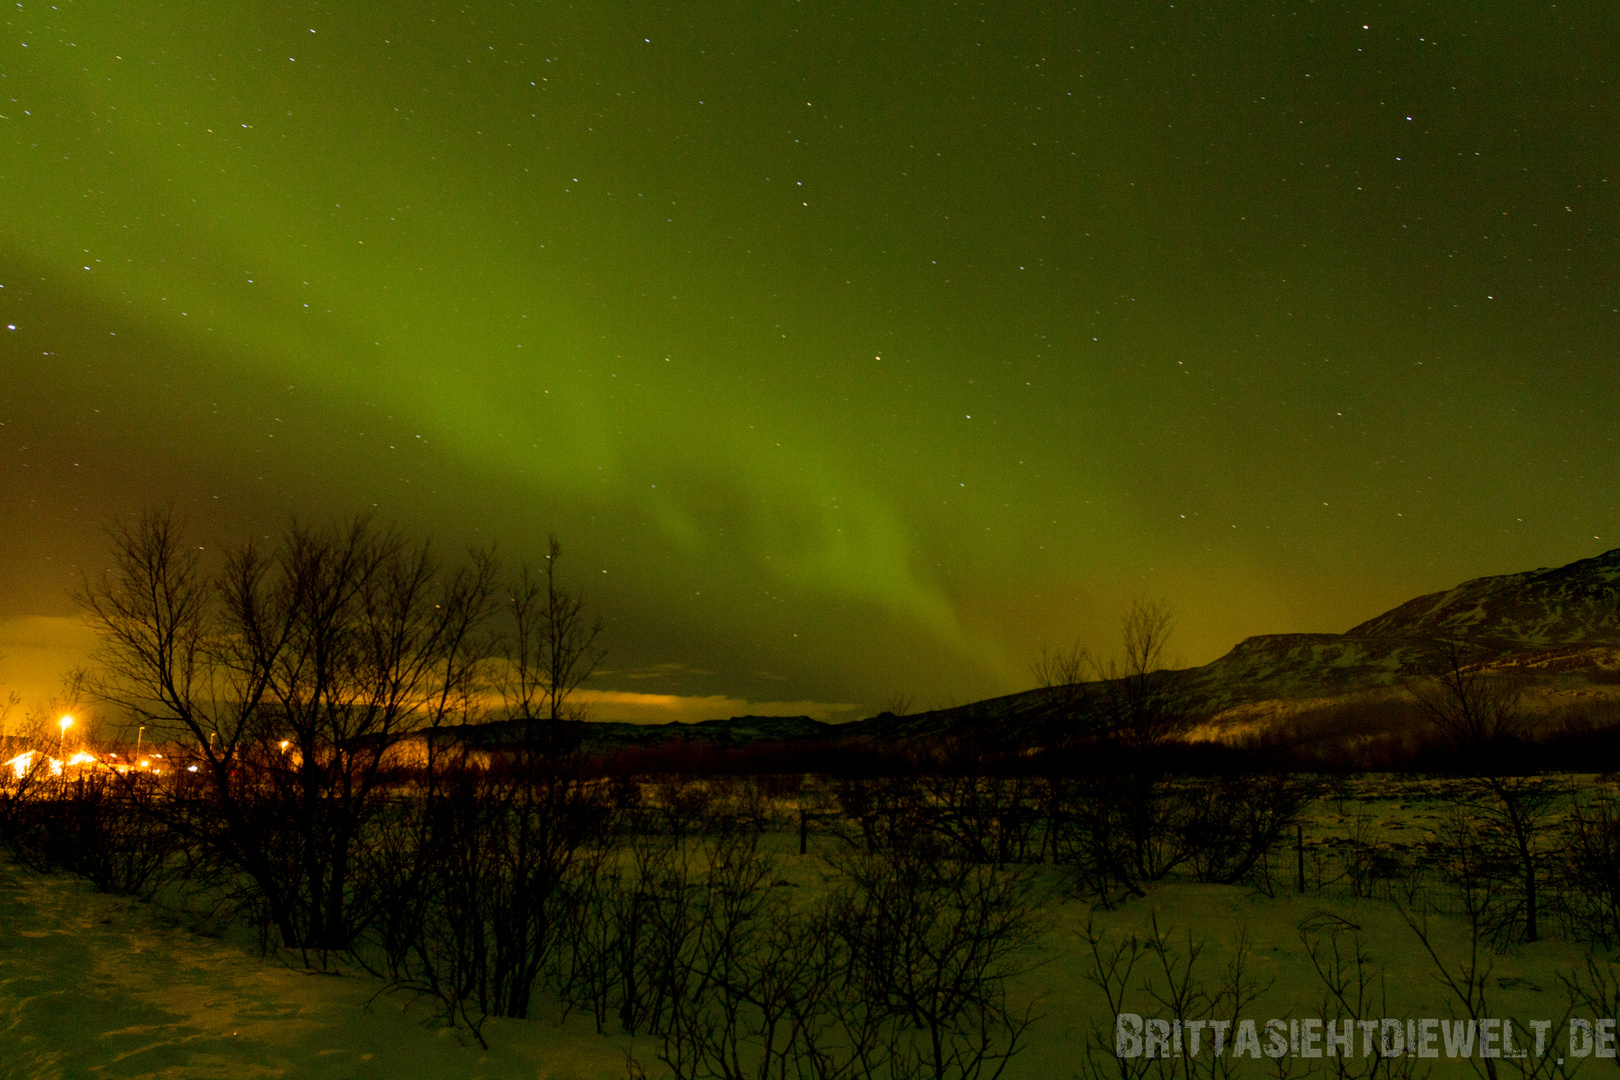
[851, 350]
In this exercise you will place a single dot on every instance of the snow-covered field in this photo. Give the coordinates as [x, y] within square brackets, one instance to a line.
[94, 985]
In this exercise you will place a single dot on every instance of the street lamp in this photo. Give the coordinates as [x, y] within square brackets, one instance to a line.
[61, 747]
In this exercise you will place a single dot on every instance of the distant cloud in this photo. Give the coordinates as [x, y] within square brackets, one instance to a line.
[663, 708]
[655, 671]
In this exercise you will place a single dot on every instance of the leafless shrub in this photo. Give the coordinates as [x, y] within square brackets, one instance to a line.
[1361, 856]
[1473, 860]
[1503, 808]
[901, 972]
[1124, 831]
[615, 963]
[1062, 674]
[1231, 822]
[1372, 867]
[745, 799]
[1596, 990]
[1588, 877]
[25, 777]
[983, 818]
[935, 944]
[899, 704]
[1128, 823]
[685, 804]
[780, 785]
[1465, 975]
[1149, 977]
[1354, 989]
[104, 827]
[478, 880]
[890, 813]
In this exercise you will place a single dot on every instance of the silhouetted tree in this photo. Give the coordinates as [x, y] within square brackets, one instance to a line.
[1129, 824]
[290, 679]
[1139, 702]
[1061, 674]
[1504, 800]
[553, 648]
[487, 868]
[1066, 707]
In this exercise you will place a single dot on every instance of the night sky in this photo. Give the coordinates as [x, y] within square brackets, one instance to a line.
[851, 350]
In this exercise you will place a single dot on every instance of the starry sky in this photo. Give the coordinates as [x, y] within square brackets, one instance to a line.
[852, 350]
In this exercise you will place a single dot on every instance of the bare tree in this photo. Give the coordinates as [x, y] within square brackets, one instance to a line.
[1061, 673]
[492, 870]
[899, 703]
[1129, 820]
[290, 680]
[554, 647]
[1504, 803]
[152, 613]
[1139, 701]
[1476, 708]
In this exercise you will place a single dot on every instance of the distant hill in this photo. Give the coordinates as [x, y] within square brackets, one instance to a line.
[1568, 605]
[606, 736]
[1559, 628]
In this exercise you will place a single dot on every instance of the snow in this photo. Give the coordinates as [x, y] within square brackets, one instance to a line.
[93, 985]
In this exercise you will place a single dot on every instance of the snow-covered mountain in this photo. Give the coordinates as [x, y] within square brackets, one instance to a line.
[1559, 624]
[1567, 605]
[1559, 628]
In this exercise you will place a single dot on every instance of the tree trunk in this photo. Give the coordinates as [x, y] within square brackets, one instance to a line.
[1529, 896]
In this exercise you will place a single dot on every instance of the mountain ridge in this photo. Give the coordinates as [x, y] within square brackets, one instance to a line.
[1556, 627]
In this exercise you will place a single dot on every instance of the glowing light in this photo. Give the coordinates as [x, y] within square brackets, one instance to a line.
[65, 723]
[82, 758]
[284, 745]
[191, 768]
[21, 764]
